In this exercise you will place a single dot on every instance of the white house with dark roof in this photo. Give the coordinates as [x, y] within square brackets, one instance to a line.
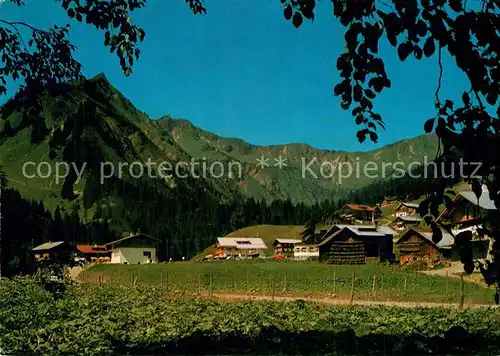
[134, 249]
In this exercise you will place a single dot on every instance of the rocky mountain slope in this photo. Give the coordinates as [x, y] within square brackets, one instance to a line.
[85, 124]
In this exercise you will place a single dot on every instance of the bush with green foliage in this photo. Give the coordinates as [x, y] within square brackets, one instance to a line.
[107, 320]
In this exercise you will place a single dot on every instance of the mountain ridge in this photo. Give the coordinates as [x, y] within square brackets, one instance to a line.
[307, 145]
[93, 119]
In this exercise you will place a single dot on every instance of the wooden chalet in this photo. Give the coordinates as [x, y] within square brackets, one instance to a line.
[58, 251]
[240, 247]
[467, 209]
[358, 213]
[417, 248]
[406, 209]
[465, 215]
[285, 247]
[405, 222]
[356, 244]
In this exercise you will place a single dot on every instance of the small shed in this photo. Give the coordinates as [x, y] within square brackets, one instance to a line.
[417, 248]
[285, 247]
[136, 248]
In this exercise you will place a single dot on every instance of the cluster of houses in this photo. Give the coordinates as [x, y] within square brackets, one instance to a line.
[136, 248]
[359, 239]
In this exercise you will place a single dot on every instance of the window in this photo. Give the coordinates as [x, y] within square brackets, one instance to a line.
[147, 254]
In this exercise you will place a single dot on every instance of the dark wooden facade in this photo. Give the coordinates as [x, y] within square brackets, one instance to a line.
[54, 252]
[283, 249]
[347, 247]
[416, 249]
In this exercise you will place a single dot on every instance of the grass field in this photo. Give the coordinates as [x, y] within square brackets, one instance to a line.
[308, 279]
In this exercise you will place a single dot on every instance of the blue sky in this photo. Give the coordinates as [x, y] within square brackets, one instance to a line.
[243, 71]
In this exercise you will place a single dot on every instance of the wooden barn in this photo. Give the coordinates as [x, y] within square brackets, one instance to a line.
[356, 244]
[417, 248]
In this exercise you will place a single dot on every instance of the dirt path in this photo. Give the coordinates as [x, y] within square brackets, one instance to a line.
[330, 301]
[455, 271]
[74, 272]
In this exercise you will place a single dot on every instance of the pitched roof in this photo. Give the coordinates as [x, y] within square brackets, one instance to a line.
[47, 246]
[288, 241]
[92, 248]
[329, 238]
[484, 200]
[368, 229]
[361, 230]
[130, 237]
[446, 242]
[359, 207]
[242, 243]
[409, 218]
[411, 205]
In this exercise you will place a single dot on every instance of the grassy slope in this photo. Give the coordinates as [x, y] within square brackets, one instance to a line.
[302, 279]
[267, 232]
